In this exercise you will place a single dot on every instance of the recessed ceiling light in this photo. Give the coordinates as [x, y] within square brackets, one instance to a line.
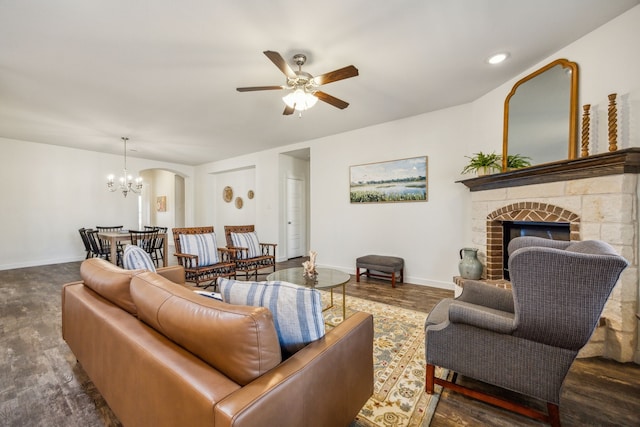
[497, 58]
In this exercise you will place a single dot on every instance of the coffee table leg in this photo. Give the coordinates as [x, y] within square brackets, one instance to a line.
[344, 302]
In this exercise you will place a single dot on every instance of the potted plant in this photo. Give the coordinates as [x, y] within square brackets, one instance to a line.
[482, 163]
[516, 161]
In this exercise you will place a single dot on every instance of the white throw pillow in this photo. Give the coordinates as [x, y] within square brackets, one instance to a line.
[202, 245]
[136, 258]
[249, 241]
[296, 310]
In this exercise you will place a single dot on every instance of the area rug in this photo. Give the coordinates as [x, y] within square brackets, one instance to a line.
[398, 397]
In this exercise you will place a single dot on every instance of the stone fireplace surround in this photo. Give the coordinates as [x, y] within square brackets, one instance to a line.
[598, 197]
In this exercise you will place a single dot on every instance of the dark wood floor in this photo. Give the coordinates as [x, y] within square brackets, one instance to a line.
[597, 391]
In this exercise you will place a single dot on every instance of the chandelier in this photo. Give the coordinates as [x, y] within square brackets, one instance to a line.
[127, 183]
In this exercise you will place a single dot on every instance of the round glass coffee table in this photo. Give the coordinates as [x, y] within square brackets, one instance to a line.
[327, 278]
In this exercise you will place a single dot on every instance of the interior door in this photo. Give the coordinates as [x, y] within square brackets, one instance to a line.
[295, 218]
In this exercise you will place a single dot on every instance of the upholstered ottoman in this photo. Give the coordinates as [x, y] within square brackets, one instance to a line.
[380, 266]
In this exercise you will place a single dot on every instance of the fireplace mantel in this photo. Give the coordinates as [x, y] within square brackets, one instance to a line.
[617, 162]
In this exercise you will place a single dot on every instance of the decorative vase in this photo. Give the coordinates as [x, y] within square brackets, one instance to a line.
[470, 267]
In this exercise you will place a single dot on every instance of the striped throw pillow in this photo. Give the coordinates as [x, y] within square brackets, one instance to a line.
[249, 241]
[136, 258]
[202, 245]
[296, 310]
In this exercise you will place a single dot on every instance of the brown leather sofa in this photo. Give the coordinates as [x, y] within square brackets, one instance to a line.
[162, 355]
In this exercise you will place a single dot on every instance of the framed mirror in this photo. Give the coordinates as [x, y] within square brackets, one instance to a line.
[541, 115]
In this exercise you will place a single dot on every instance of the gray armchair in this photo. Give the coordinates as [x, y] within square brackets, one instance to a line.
[524, 340]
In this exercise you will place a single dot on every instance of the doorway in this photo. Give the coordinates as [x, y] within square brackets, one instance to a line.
[296, 228]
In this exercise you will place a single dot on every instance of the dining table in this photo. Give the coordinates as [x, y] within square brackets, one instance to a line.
[115, 237]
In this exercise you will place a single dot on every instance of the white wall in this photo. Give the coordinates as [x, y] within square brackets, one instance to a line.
[159, 183]
[56, 190]
[66, 186]
[608, 62]
[262, 211]
[227, 213]
[428, 235]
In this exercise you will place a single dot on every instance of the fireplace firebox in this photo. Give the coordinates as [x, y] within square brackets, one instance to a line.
[546, 230]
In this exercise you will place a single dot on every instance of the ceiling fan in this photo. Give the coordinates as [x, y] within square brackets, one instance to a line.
[303, 86]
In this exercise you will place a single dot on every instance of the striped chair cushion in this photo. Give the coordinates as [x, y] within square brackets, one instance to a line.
[296, 310]
[202, 245]
[249, 241]
[136, 258]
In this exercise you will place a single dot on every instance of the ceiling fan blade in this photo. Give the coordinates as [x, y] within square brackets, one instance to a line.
[288, 110]
[277, 59]
[333, 76]
[338, 103]
[254, 88]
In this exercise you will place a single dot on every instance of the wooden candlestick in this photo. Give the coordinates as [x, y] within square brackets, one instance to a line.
[586, 120]
[613, 123]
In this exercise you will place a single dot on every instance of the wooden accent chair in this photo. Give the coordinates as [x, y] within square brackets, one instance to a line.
[203, 261]
[249, 254]
[524, 340]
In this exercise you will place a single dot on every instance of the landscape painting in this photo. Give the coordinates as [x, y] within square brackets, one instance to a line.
[402, 180]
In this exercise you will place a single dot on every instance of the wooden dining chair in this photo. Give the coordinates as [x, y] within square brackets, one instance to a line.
[106, 244]
[144, 239]
[97, 251]
[85, 242]
[158, 244]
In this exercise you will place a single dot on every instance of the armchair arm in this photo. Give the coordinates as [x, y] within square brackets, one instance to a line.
[187, 260]
[480, 293]
[175, 273]
[268, 248]
[226, 254]
[482, 317]
[238, 253]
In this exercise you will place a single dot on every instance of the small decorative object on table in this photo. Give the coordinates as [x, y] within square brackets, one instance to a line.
[310, 266]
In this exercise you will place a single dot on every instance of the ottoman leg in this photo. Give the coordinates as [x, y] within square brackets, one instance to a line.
[393, 279]
[357, 274]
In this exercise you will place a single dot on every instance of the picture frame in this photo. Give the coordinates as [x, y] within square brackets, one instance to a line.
[161, 203]
[402, 180]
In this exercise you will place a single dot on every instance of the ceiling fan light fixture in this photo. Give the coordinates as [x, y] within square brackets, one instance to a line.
[300, 99]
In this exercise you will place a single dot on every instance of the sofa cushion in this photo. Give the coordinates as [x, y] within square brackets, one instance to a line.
[109, 281]
[239, 341]
[136, 258]
[202, 245]
[296, 310]
[249, 241]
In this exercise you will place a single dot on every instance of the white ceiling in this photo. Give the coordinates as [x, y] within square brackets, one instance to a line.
[163, 72]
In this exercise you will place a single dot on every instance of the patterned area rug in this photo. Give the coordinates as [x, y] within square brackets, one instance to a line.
[398, 397]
